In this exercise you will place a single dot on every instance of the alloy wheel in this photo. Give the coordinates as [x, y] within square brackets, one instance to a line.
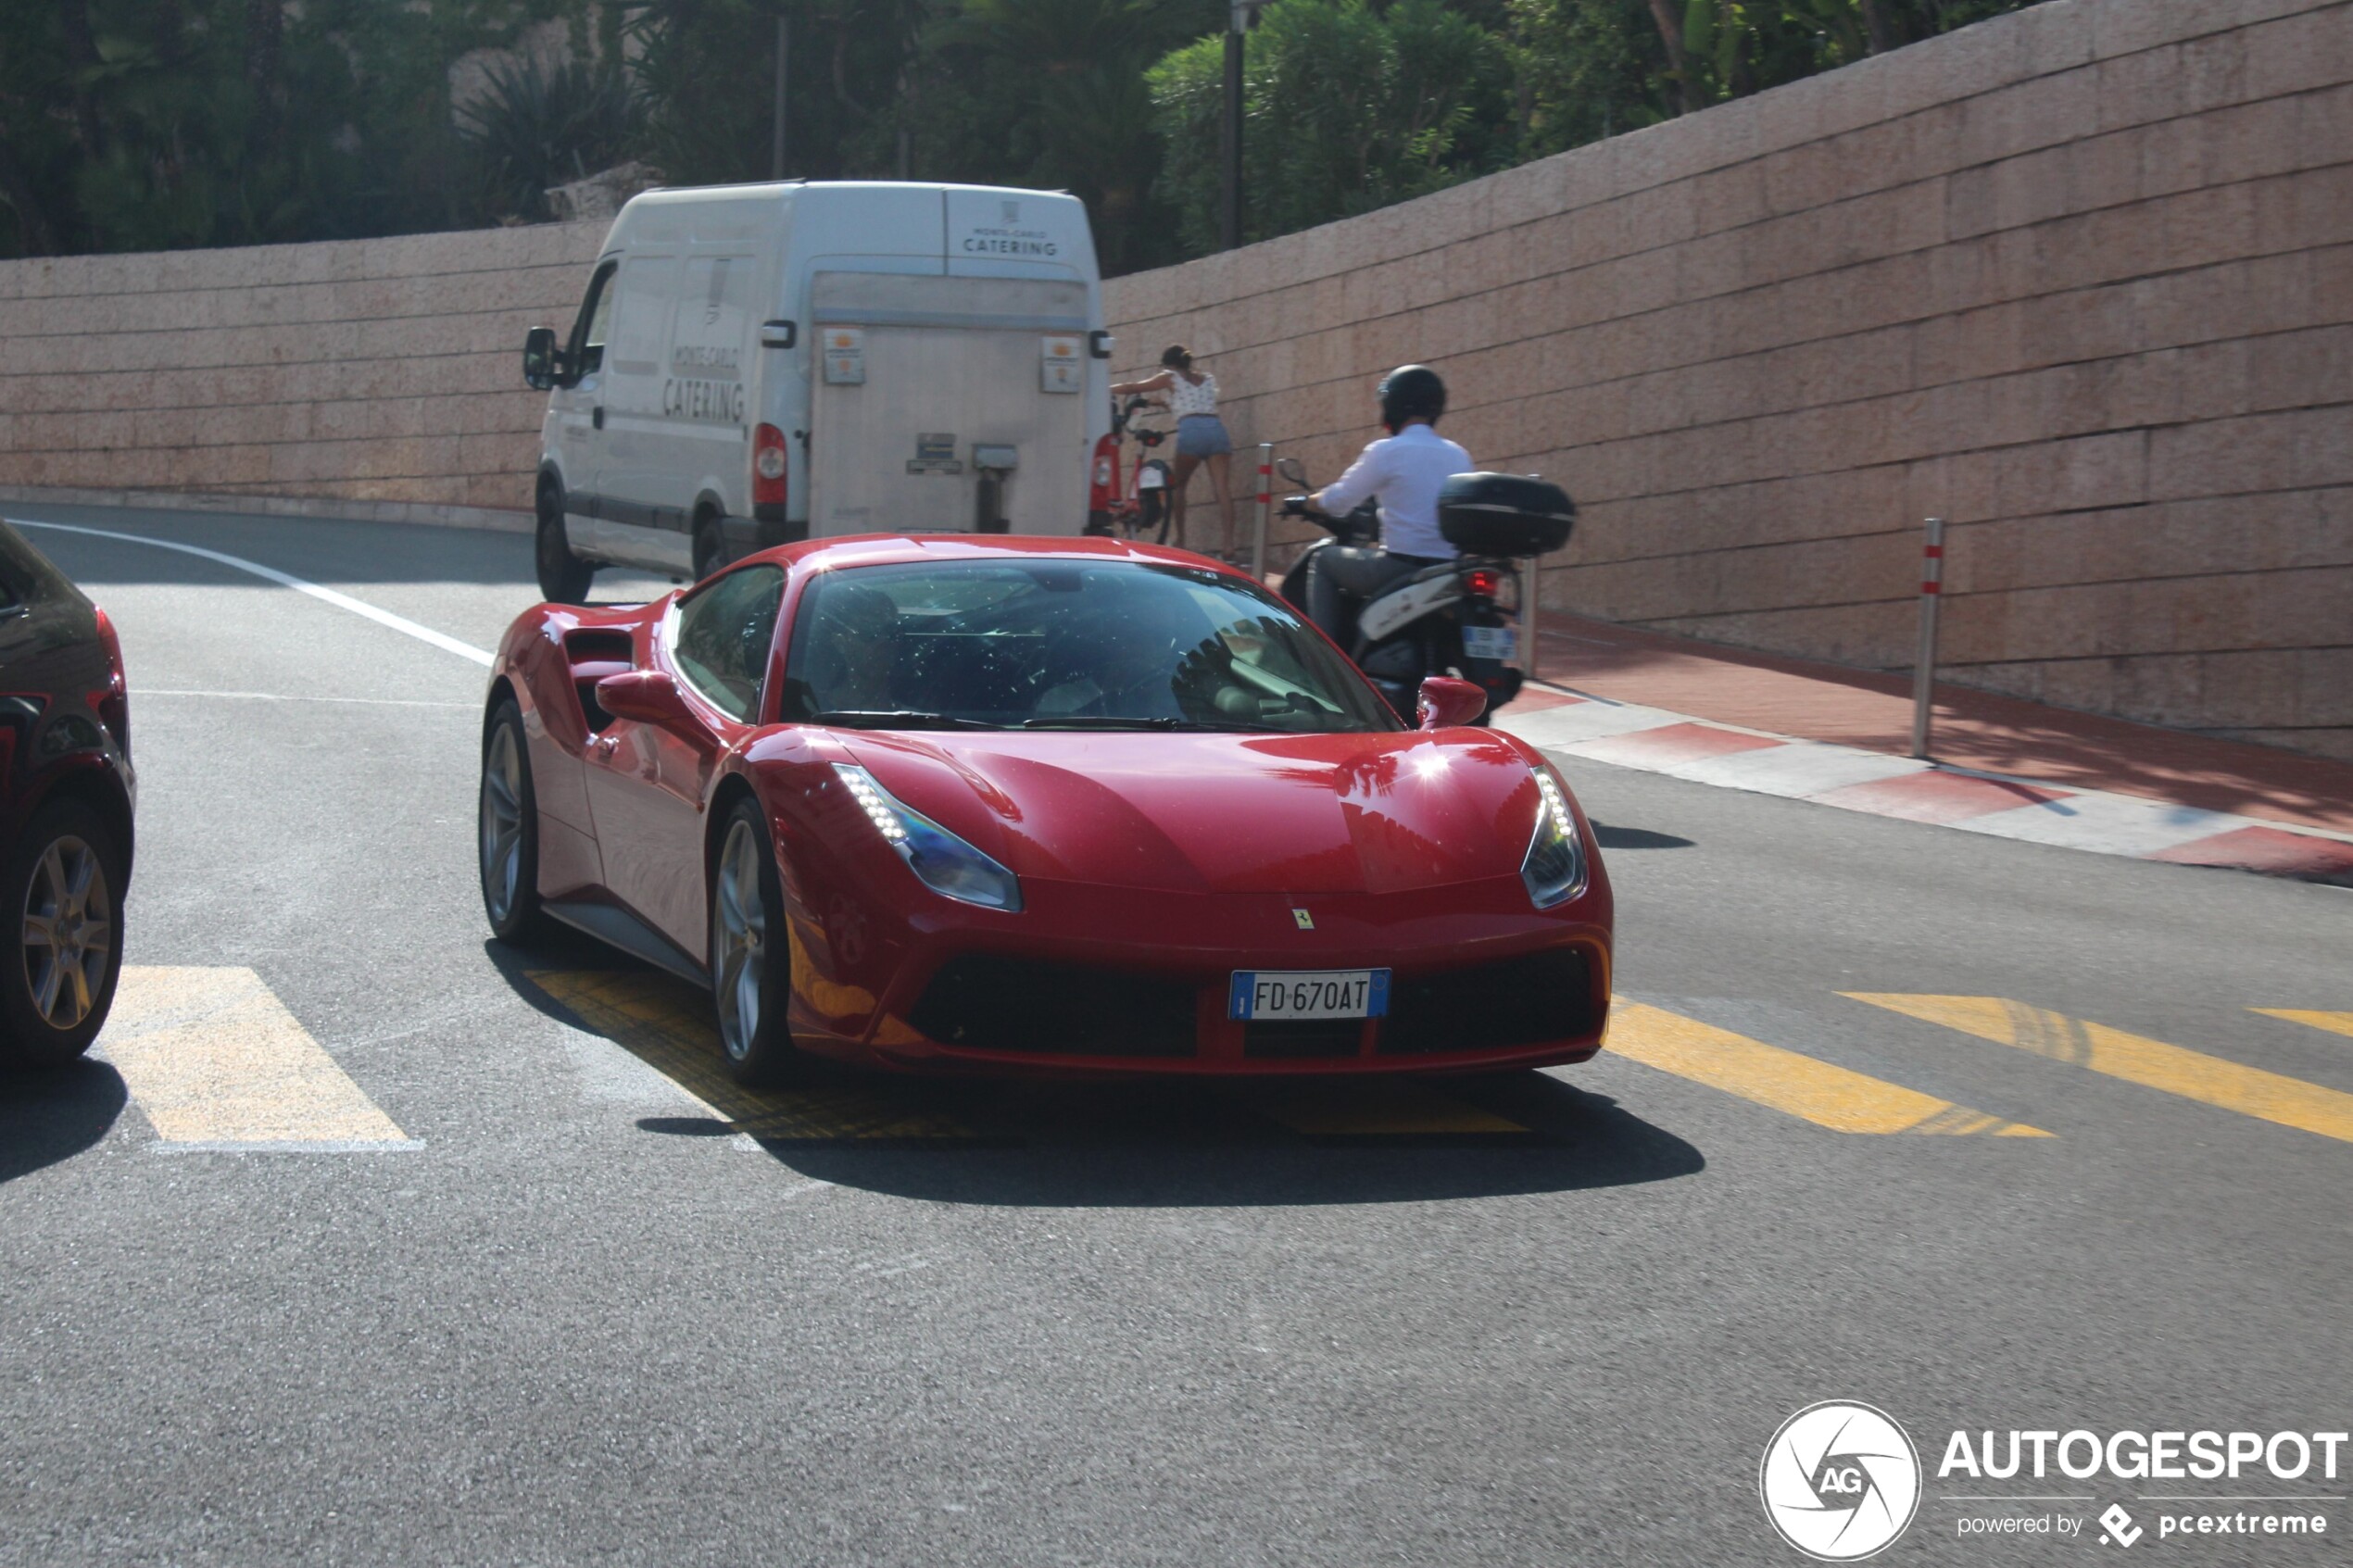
[69, 931]
[502, 824]
[742, 939]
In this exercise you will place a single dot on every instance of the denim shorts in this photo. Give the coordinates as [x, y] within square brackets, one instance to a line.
[1201, 436]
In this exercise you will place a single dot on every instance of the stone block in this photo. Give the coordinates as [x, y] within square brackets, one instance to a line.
[2222, 457]
[2295, 54]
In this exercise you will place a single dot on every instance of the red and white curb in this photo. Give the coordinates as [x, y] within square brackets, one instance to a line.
[1658, 741]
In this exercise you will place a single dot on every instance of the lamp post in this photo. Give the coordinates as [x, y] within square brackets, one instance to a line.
[1241, 17]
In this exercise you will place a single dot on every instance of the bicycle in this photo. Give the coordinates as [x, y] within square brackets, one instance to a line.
[1131, 500]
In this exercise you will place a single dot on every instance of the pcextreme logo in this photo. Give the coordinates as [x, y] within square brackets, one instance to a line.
[1840, 1481]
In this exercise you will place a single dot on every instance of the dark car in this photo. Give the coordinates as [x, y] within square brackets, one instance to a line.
[66, 797]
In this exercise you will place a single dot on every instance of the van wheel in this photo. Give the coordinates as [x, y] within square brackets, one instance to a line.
[711, 545]
[563, 577]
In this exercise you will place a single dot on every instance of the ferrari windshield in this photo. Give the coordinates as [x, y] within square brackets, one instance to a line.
[1059, 643]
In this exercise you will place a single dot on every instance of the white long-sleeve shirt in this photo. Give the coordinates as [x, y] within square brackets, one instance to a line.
[1406, 471]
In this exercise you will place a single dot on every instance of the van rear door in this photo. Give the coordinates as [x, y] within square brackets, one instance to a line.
[947, 405]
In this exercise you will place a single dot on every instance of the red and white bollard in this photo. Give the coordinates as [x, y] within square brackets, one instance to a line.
[1924, 667]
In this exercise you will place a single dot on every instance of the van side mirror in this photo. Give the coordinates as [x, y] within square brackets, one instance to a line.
[539, 369]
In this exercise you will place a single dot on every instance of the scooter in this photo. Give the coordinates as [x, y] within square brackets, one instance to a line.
[1455, 618]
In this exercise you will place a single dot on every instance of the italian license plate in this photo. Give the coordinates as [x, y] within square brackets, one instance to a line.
[1329, 993]
[1491, 641]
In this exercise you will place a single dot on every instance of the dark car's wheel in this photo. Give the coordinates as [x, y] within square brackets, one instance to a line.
[563, 577]
[508, 831]
[750, 957]
[63, 881]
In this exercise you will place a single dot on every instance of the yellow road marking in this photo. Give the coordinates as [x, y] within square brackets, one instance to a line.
[666, 1024]
[215, 1061]
[1820, 1092]
[2291, 1102]
[1367, 1108]
[2336, 1023]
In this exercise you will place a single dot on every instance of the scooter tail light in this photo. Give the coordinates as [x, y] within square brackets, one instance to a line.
[1484, 582]
[768, 465]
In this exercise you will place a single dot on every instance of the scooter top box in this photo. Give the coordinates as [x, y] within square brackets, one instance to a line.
[1505, 514]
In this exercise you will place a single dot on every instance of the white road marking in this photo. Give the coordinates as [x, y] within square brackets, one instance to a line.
[1799, 769]
[2116, 824]
[284, 580]
[280, 697]
[1574, 724]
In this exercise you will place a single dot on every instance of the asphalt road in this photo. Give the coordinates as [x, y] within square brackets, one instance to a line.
[569, 1315]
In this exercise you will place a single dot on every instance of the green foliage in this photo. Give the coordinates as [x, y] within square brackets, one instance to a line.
[142, 124]
[537, 125]
[1585, 70]
[1346, 109]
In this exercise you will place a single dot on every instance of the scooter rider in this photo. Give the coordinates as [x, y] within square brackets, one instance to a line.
[1403, 471]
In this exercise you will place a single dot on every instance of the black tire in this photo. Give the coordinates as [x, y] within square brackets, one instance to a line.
[765, 1052]
[64, 875]
[711, 545]
[563, 577]
[507, 831]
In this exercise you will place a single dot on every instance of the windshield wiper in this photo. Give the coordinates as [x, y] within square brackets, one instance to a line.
[895, 719]
[1109, 721]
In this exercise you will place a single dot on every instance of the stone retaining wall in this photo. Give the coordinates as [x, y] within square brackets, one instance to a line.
[2077, 280]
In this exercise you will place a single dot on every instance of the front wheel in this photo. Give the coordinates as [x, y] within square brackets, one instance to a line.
[64, 879]
[751, 957]
[563, 577]
[509, 834]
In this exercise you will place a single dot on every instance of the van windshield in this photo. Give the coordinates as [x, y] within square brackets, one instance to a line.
[1063, 645]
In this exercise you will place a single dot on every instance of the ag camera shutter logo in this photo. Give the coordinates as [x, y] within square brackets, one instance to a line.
[1840, 1481]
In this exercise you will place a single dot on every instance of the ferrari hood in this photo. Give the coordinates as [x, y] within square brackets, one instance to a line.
[1223, 814]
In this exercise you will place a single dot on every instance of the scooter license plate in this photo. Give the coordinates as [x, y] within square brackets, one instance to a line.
[1265, 995]
[1489, 642]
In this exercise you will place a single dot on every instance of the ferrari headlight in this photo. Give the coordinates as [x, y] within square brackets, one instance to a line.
[944, 863]
[1554, 866]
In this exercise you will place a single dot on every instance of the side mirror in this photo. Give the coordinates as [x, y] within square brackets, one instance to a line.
[648, 696]
[539, 358]
[1445, 702]
[1295, 470]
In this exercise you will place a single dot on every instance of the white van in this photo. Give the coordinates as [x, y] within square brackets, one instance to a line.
[753, 365]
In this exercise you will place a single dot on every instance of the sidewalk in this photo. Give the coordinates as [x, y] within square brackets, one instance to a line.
[1840, 736]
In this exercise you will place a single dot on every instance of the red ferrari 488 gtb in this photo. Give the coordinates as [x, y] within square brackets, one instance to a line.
[1037, 805]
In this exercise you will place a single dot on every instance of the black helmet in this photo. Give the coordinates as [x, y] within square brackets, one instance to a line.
[1411, 392]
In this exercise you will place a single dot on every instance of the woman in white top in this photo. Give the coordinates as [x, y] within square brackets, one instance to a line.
[1200, 434]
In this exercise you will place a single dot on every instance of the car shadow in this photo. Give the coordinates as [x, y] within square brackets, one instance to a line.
[1610, 837]
[1130, 1143]
[53, 1114]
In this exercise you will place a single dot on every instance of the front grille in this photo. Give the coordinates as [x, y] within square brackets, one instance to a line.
[1295, 1037]
[984, 1002]
[1521, 1001]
